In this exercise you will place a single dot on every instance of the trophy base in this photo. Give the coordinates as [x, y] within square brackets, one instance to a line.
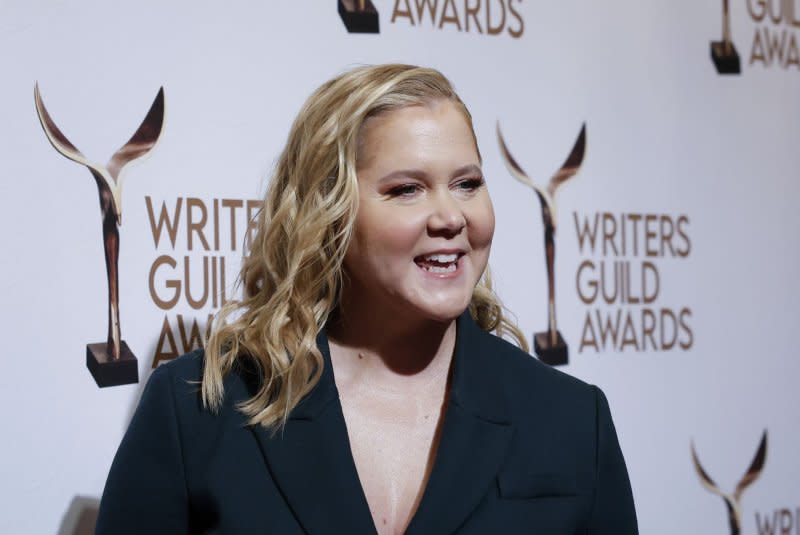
[108, 371]
[357, 21]
[726, 60]
[553, 355]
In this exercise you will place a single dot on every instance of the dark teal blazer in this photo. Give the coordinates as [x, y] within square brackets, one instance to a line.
[524, 449]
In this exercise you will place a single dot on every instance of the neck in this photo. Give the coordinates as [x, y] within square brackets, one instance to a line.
[387, 345]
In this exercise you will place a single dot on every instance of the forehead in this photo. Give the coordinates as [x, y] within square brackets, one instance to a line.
[435, 133]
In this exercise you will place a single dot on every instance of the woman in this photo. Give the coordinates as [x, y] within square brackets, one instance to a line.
[356, 387]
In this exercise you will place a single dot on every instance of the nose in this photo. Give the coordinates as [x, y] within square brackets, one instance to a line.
[446, 216]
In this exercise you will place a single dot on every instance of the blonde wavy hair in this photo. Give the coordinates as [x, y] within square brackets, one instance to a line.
[292, 278]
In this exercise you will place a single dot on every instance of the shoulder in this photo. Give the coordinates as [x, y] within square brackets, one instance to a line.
[555, 417]
[179, 382]
[176, 381]
[187, 368]
[184, 375]
[544, 404]
[525, 380]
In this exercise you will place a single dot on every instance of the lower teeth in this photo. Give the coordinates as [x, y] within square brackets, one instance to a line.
[437, 269]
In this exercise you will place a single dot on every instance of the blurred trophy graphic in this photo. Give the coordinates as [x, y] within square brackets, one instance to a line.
[733, 501]
[549, 346]
[359, 16]
[723, 53]
[111, 363]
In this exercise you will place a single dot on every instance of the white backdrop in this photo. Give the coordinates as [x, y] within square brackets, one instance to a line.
[666, 136]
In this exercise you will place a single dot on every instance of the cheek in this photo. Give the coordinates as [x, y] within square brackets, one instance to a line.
[382, 236]
[482, 224]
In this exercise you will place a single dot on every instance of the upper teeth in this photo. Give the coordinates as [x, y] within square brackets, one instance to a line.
[441, 258]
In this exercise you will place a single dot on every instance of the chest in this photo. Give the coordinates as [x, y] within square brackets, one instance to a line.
[233, 490]
[393, 439]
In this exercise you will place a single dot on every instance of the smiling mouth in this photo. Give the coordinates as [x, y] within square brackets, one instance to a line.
[439, 263]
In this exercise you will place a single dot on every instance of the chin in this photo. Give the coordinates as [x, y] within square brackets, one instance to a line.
[441, 304]
[444, 311]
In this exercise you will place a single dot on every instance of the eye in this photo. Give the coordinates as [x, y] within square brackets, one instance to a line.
[404, 190]
[470, 184]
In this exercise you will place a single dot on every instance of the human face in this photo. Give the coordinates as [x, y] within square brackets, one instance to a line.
[421, 193]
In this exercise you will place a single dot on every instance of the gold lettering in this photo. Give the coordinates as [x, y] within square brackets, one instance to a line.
[494, 30]
[629, 334]
[648, 329]
[195, 303]
[649, 235]
[163, 353]
[586, 233]
[682, 221]
[194, 340]
[793, 56]
[684, 314]
[397, 12]
[233, 204]
[775, 47]
[668, 344]
[452, 18]
[472, 12]
[635, 218]
[627, 287]
[223, 299]
[609, 232]
[588, 338]
[649, 295]
[174, 284]
[516, 34]
[216, 224]
[587, 298]
[666, 229]
[757, 52]
[775, 17]
[611, 330]
[199, 226]
[616, 279]
[757, 9]
[431, 5]
[791, 17]
[164, 220]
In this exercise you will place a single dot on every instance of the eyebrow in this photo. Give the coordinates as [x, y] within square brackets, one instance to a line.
[420, 174]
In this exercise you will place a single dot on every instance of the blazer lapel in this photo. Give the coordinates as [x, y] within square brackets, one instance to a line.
[311, 462]
[475, 437]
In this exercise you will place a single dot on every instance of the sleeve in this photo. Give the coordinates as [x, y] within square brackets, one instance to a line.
[613, 510]
[146, 491]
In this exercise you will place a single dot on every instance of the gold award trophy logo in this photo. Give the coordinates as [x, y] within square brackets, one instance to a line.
[111, 363]
[723, 53]
[359, 16]
[549, 346]
[733, 501]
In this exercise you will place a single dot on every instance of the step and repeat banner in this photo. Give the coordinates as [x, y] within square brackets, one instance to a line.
[657, 150]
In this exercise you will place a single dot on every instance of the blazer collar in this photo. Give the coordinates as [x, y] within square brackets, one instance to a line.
[312, 463]
[475, 435]
[476, 386]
